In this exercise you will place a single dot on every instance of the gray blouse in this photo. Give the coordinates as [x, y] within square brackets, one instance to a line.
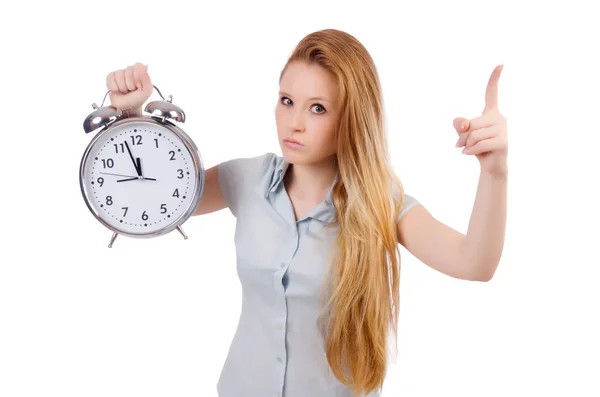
[278, 349]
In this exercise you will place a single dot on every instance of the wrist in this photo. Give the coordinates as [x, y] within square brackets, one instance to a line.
[497, 174]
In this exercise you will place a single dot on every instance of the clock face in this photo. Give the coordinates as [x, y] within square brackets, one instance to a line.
[139, 177]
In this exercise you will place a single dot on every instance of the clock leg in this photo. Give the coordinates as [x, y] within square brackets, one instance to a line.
[182, 233]
[112, 239]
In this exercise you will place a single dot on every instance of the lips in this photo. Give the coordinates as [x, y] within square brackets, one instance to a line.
[292, 141]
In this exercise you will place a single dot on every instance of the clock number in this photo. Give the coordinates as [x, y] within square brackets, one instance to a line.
[180, 171]
[172, 153]
[101, 181]
[108, 163]
[139, 139]
[124, 208]
[144, 216]
[109, 200]
[117, 145]
[156, 141]
[163, 208]
[176, 193]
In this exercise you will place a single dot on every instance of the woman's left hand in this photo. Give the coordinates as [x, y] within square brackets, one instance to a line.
[485, 136]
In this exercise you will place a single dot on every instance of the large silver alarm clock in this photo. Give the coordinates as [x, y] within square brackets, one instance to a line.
[141, 176]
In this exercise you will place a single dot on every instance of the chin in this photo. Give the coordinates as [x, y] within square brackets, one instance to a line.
[290, 155]
[294, 156]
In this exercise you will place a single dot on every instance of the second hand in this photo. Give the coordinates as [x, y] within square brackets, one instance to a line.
[128, 176]
[108, 173]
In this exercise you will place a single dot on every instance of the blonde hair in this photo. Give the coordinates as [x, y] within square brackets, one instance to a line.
[364, 283]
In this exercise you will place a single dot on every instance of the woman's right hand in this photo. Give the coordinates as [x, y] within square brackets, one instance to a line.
[129, 87]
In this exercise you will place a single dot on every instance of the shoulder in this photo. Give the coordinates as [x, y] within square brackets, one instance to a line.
[408, 201]
[252, 161]
[248, 167]
[238, 177]
[251, 172]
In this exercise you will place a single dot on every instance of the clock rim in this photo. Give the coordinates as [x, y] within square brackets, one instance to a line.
[199, 173]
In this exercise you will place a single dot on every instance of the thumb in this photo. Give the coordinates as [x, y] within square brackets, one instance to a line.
[145, 80]
[461, 124]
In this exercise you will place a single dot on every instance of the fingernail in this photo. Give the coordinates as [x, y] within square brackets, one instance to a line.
[462, 126]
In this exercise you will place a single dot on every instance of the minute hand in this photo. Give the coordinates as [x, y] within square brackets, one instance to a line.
[135, 178]
[132, 160]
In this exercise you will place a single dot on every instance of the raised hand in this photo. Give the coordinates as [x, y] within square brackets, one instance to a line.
[129, 87]
[486, 136]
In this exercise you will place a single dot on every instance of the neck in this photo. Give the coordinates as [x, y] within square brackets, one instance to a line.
[311, 181]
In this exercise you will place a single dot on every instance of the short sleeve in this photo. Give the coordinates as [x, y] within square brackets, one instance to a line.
[409, 202]
[237, 178]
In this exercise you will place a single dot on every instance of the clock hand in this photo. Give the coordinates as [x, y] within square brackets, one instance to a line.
[136, 178]
[139, 165]
[108, 173]
[131, 156]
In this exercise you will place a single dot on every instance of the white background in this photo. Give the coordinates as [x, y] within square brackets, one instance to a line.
[156, 317]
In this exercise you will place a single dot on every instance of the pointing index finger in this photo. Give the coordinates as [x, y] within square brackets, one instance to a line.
[491, 92]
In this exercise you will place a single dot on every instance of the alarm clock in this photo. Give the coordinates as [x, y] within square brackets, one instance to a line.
[140, 176]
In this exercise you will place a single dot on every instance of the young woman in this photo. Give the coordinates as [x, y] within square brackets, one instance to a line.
[318, 228]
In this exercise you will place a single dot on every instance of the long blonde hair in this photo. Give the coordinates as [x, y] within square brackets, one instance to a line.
[364, 283]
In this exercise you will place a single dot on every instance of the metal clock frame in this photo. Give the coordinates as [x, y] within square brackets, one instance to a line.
[160, 112]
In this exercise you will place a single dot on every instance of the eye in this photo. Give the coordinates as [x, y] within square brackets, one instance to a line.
[284, 98]
[316, 104]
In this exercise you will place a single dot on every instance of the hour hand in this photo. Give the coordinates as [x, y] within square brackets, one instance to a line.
[139, 165]
[137, 169]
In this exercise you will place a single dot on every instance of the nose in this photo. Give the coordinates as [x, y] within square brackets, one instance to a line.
[297, 121]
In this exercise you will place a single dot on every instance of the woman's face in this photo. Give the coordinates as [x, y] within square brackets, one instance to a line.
[307, 112]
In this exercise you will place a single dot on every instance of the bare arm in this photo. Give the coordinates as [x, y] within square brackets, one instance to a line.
[472, 257]
[212, 199]
[484, 242]
[434, 243]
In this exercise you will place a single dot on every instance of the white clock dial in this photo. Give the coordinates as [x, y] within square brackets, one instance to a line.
[139, 177]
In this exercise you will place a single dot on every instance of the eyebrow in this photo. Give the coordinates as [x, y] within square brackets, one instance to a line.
[310, 99]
